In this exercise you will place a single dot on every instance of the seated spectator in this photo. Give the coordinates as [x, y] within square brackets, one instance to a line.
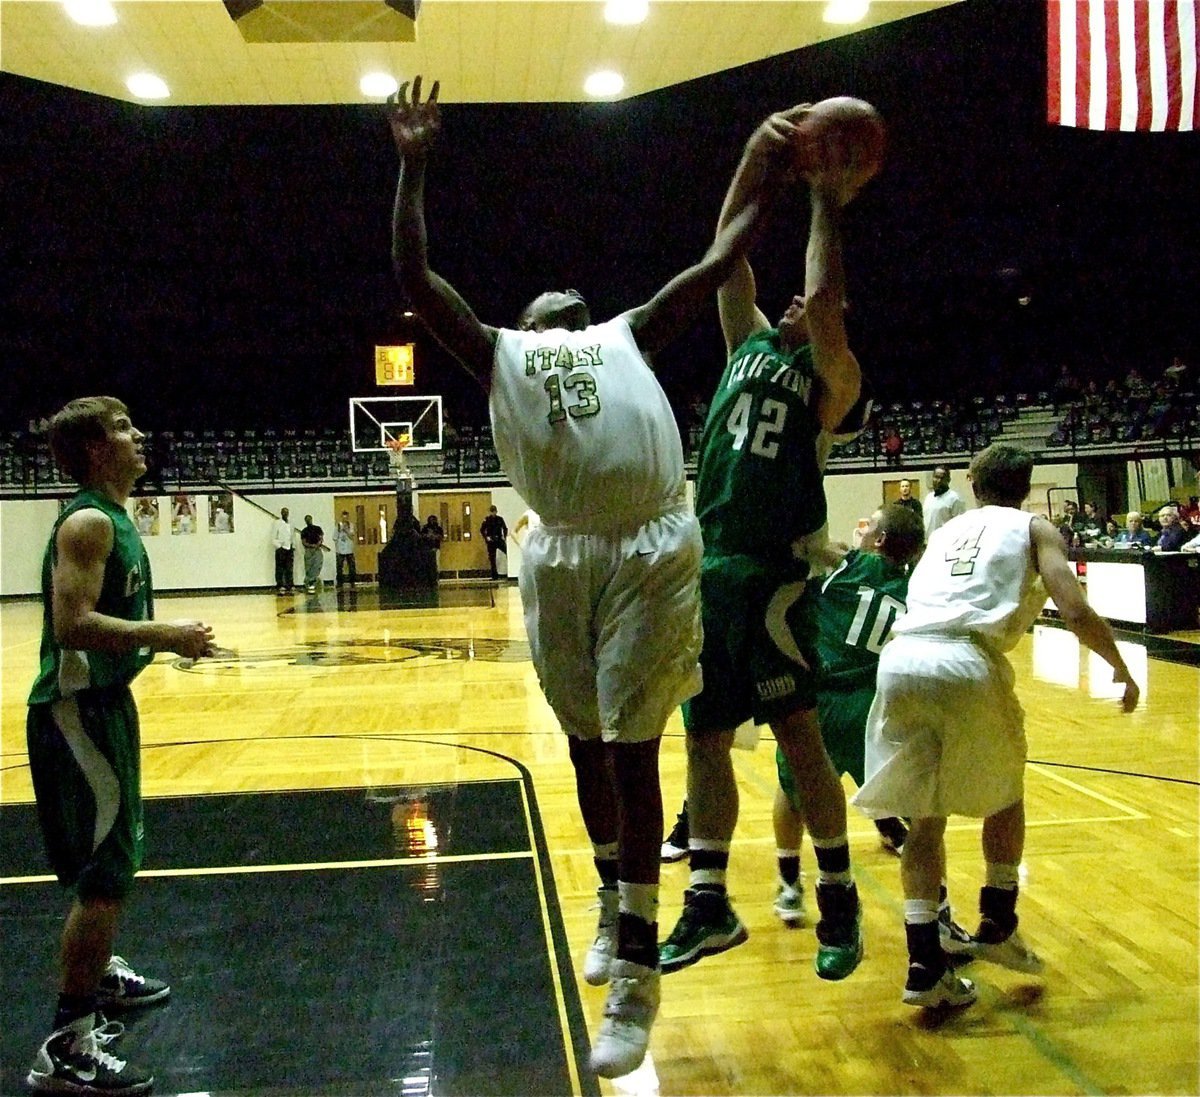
[1174, 373]
[1133, 533]
[1111, 532]
[1089, 524]
[1173, 534]
[1191, 546]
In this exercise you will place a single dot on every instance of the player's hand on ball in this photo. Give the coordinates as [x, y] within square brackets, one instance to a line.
[415, 125]
[839, 145]
[774, 140]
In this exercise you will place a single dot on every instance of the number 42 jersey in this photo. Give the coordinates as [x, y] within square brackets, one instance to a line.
[582, 426]
[760, 484]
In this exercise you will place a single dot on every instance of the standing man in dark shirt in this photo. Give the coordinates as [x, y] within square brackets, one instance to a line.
[494, 531]
[312, 537]
[907, 499]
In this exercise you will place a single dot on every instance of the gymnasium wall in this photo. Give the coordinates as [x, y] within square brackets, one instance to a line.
[245, 558]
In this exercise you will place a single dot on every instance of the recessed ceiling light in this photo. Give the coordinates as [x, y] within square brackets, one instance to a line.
[91, 13]
[626, 13]
[145, 85]
[378, 85]
[604, 84]
[846, 11]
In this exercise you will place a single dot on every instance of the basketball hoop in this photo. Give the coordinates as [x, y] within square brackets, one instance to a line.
[396, 448]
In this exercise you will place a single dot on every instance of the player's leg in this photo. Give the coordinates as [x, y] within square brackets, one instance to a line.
[922, 868]
[85, 762]
[788, 825]
[819, 791]
[597, 798]
[708, 923]
[675, 845]
[997, 938]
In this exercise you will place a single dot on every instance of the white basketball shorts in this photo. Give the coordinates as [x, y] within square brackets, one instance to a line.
[946, 734]
[614, 623]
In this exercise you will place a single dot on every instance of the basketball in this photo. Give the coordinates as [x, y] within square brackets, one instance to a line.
[852, 124]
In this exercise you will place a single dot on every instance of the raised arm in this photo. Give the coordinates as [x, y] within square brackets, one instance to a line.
[1050, 558]
[766, 152]
[415, 126]
[838, 374]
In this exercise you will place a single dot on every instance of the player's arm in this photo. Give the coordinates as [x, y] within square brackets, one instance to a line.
[1050, 559]
[680, 301]
[839, 377]
[414, 126]
[765, 152]
[82, 545]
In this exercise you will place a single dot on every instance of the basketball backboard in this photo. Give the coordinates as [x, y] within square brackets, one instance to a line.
[377, 420]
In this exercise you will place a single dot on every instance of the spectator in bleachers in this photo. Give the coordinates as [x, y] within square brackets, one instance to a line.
[893, 447]
[1133, 533]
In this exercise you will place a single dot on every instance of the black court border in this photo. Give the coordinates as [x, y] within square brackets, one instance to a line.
[579, 1043]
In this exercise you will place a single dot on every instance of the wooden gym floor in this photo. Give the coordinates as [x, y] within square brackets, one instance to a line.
[367, 875]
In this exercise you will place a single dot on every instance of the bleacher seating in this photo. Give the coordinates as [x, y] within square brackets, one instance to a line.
[932, 431]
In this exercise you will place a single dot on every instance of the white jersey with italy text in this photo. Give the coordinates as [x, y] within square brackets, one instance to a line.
[976, 580]
[582, 427]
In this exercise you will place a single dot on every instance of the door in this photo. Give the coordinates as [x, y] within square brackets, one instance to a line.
[463, 552]
[371, 517]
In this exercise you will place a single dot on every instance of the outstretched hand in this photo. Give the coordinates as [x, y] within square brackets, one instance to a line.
[415, 125]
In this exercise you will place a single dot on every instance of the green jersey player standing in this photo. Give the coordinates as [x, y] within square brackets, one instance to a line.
[98, 634]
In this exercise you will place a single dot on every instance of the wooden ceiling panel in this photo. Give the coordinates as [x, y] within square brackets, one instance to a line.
[483, 51]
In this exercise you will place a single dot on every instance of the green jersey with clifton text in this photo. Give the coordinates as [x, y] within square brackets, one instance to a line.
[759, 486]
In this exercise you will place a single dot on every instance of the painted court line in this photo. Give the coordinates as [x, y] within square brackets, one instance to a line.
[316, 866]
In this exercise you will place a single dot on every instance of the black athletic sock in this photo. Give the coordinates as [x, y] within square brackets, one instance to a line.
[609, 871]
[789, 869]
[637, 940]
[73, 1006]
[998, 913]
[925, 949]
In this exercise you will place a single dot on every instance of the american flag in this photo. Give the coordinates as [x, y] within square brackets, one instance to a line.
[1122, 64]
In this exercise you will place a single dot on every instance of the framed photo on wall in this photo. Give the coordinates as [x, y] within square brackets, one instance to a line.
[183, 514]
[145, 516]
[220, 512]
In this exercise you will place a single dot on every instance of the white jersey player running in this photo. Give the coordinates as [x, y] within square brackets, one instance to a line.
[946, 733]
[609, 578]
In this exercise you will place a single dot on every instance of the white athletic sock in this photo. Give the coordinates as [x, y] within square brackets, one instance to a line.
[640, 900]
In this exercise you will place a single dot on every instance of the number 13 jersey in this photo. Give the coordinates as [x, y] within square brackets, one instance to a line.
[759, 486]
[582, 426]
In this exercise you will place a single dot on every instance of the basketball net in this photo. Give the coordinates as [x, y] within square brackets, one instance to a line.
[396, 448]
